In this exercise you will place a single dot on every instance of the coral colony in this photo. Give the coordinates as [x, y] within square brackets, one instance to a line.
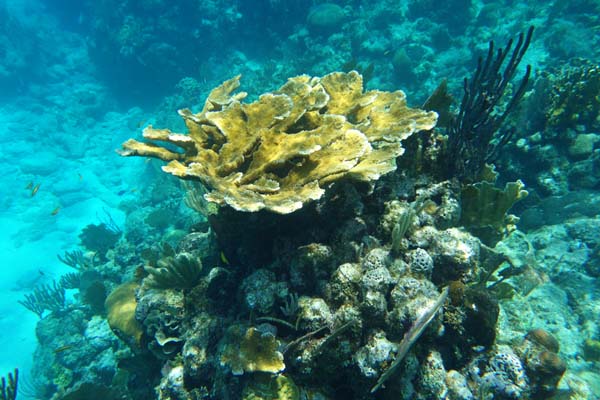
[333, 237]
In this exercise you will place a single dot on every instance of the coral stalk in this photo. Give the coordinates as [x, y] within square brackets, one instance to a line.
[472, 131]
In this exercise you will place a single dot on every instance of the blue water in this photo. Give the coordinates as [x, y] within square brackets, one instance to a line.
[78, 78]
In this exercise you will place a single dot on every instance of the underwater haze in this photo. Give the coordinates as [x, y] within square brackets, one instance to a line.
[299, 199]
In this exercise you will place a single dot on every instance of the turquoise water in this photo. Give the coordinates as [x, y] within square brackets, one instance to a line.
[79, 78]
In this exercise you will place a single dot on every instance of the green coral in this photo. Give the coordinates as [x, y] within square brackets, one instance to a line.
[484, 209]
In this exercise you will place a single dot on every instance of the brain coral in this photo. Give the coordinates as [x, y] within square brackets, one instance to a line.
[325, 16]
[278, 152]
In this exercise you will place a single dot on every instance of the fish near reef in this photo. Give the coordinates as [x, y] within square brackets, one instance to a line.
[35, 189]
[63, 348]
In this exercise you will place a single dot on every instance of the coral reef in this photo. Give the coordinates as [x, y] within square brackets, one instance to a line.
[364, 288]
[327, 303]
[331, 248]
[555, 153]
[340, 281]
[573, 94]
[277, 153]
[76, 352]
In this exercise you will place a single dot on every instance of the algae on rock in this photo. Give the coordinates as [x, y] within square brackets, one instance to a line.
[278, 152]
